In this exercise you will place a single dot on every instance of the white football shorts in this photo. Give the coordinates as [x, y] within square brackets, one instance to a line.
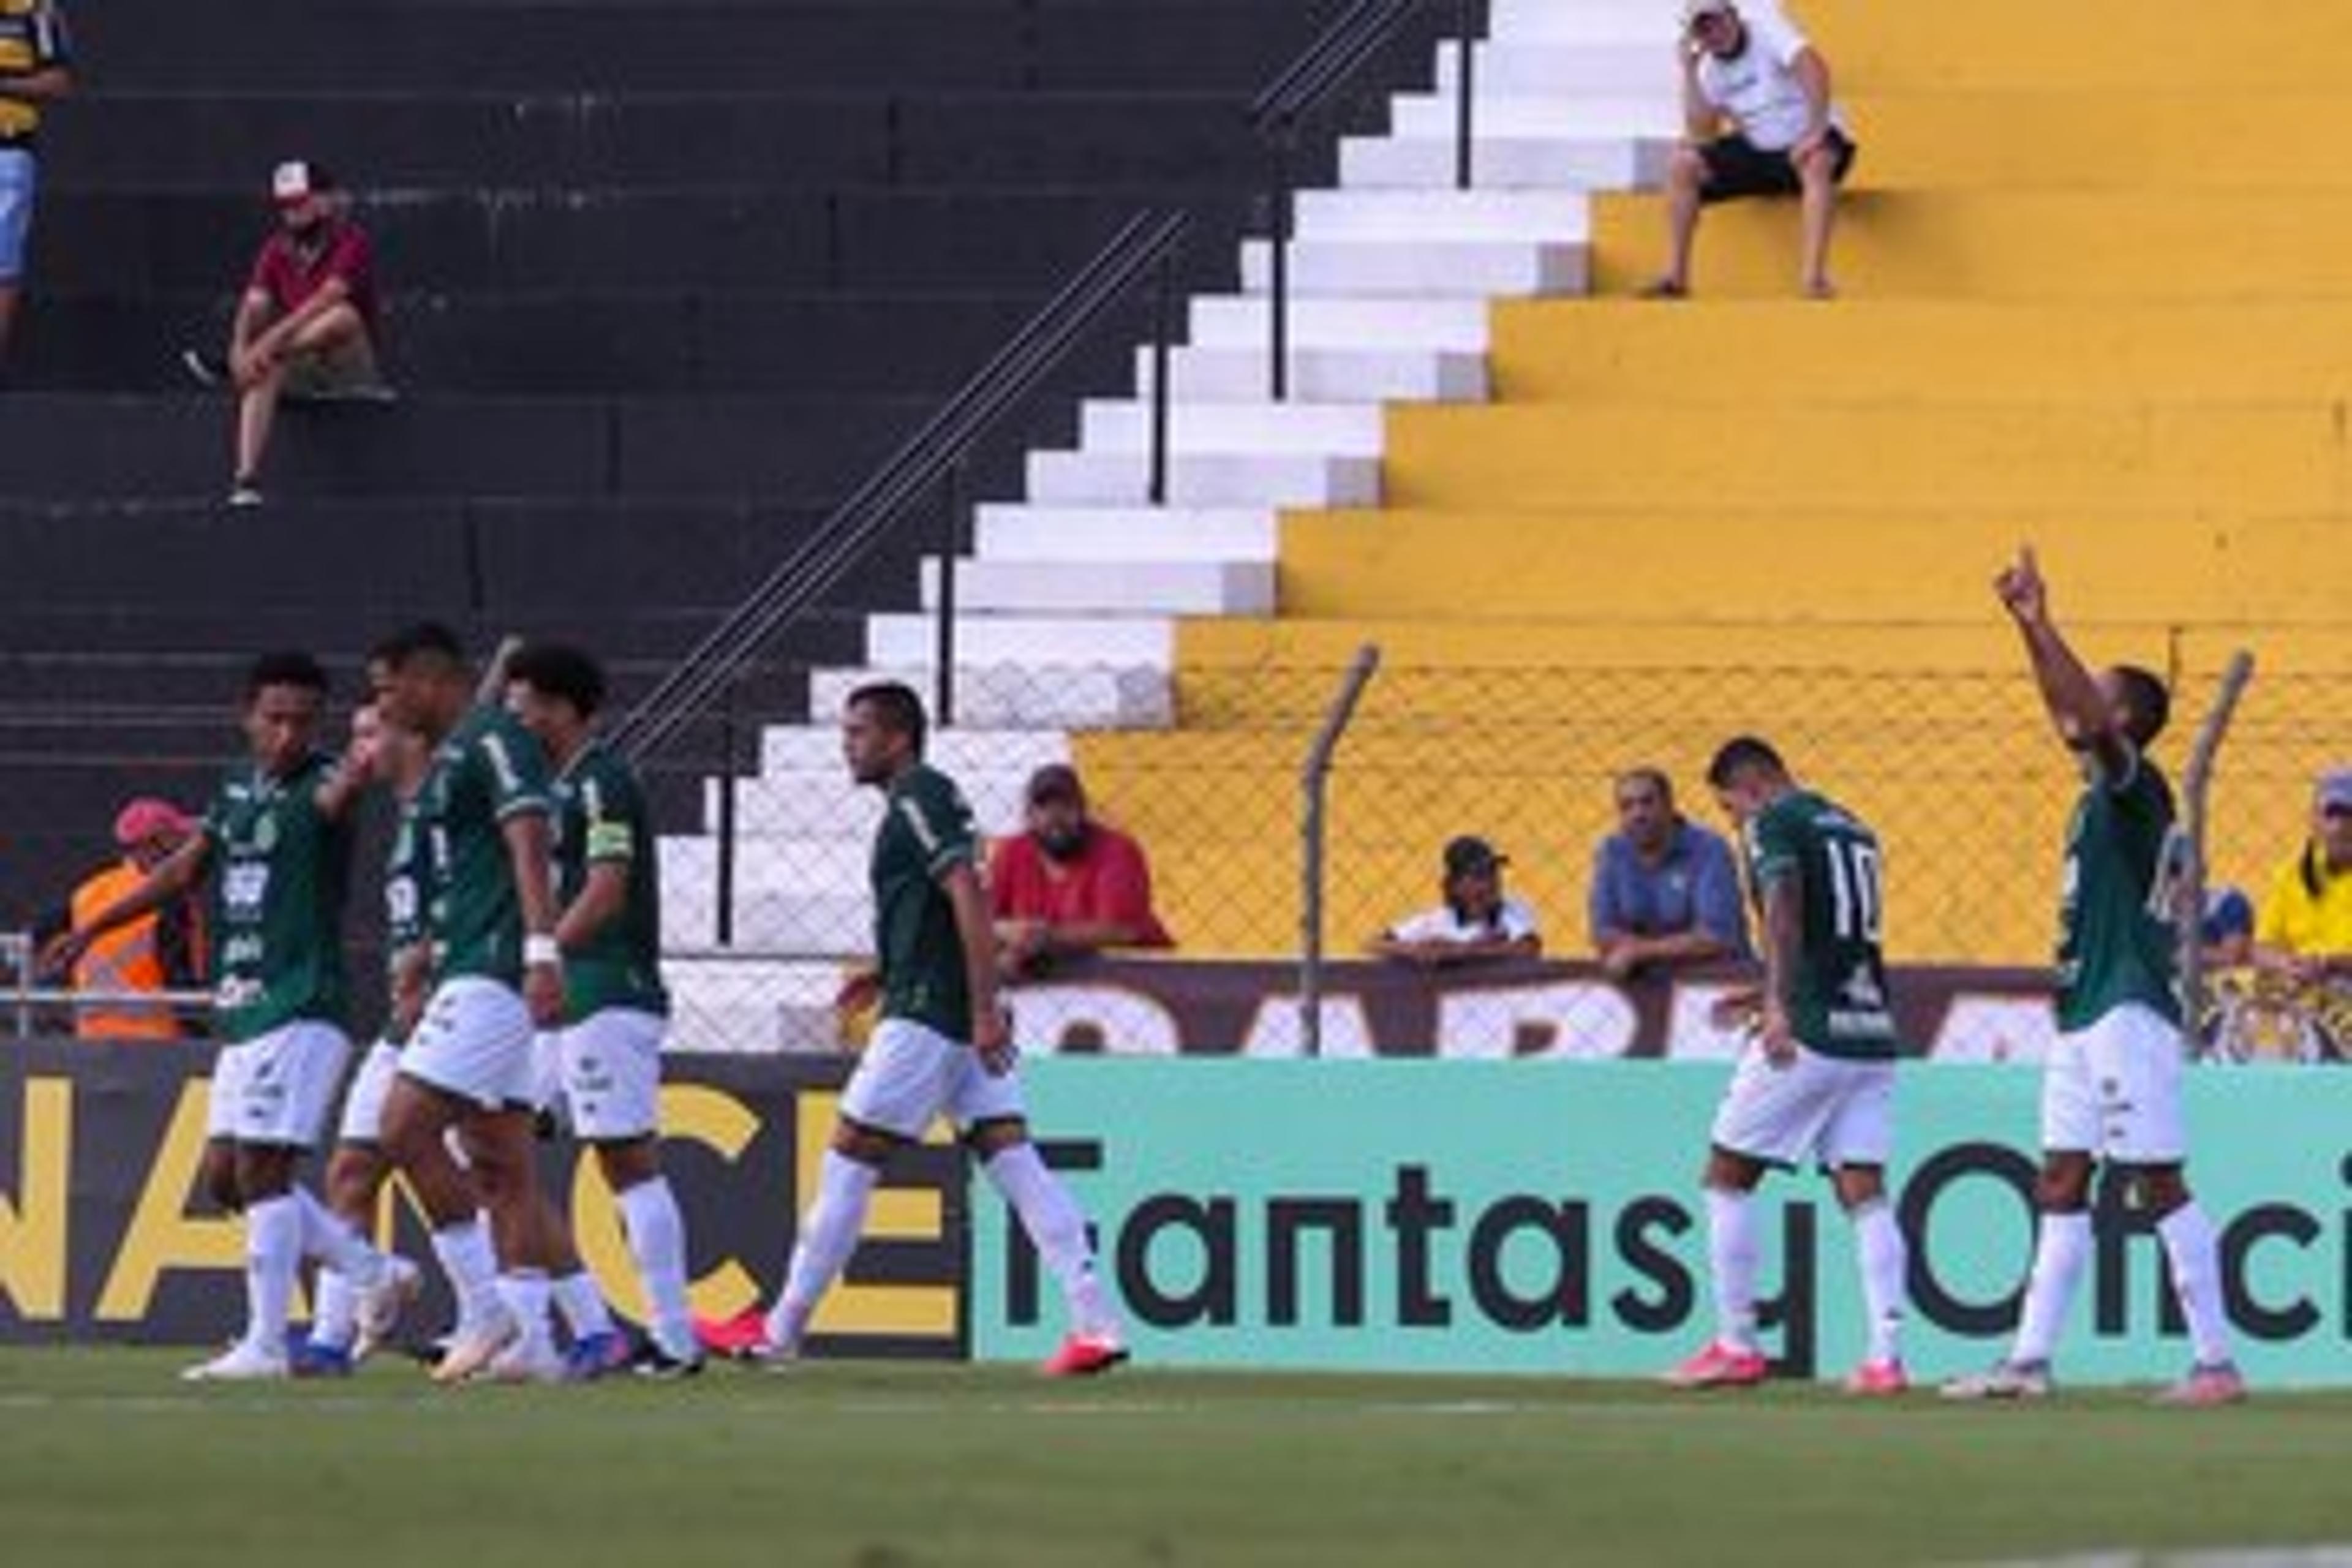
[2113, 1090]
[910, 1074]
[292, 1075]
[611, 1068]
[1830, 1110]
[474, 1041]
[364, 1100]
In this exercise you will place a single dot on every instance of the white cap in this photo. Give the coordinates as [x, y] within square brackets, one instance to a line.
[1694, 9]
[293, 181]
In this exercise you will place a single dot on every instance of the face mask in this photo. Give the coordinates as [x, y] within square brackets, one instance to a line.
[1063, 844]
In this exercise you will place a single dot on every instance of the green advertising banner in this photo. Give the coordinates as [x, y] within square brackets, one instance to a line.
[1544, 1217]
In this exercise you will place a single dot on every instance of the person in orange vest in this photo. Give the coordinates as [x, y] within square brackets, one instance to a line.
[157, 951]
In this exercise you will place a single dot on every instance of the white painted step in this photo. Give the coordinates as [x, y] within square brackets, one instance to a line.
[1470, 215]
[817, 749]
[1624, 67]
[1049, 644]
[1013, 531]
[820, 805]
[1412, 268]
[1106, 588]
[1603, 20]
[1229, 321]
[1206, 478]
[1515, 112]
[1093, 696]
[771, 863]
[1338, 430]
[722, 1002]
[1238, 375]
[1553, 162]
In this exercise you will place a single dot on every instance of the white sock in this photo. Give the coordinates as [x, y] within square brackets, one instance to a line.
[273, 1246]
[526, 1294]
[1732, 1261]
[464, 1250]
[582, 1304]
[2196, 1258]
[1882, 1257]
[332, 1239]
[656, 1233]
[334, 1318]
[2060, 1251]
[1059, 1233]
[829, 1233]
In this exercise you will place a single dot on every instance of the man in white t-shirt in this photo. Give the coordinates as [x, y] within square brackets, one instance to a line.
[1756, 121]
[1475, 921]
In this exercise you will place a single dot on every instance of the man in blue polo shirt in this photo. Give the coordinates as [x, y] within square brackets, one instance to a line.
[1665, 890]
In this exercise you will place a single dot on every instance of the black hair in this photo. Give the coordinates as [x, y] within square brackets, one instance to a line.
[893, 702]
[2147, 704]
[284, 669]
[426, 638]
[1741, 753]
[557, 669]
[1656, 777]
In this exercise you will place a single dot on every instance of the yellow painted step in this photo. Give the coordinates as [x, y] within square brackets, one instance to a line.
[1579, 349]
[2151, 135]
[2025, 245]
[1701, 565]
[2276, 458]
[2087, 46]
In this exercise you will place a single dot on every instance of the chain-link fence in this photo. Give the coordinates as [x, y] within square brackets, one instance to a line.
[1957, 769]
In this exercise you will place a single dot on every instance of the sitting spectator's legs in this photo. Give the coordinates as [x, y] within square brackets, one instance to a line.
[16, 181]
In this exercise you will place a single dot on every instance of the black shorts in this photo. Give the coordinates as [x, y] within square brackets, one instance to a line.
[1736, 167]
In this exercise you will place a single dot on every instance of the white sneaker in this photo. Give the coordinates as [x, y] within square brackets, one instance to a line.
[528, 1358]
[241, 1363]
[381, 1304]
[474, 1348]
[2004, 1380]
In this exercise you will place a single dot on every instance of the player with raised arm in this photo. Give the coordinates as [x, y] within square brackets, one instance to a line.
[1818, 1080]
[615, 1009]
[275, 847]
[482, 815]
[2111, 1090]
[943, 1046]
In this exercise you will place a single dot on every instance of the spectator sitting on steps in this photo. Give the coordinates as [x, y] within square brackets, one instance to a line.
[35, 70]
[1475, 921]
[1067, 884]
[306, 327]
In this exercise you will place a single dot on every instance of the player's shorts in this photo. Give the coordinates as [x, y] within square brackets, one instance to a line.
[226, 1093]
[546, 1072]
[2113, 1090]
[291, 1076]
[473, 1041]
[1834, 1110]
[364, 1100]
[18, 179]
[610, 1064]
[1736, 167]
[910, 1074]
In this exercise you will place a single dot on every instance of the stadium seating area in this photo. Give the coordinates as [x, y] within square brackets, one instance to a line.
[661, 283]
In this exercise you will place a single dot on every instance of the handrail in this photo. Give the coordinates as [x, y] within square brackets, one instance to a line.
[1327, 64]
[1148, 242]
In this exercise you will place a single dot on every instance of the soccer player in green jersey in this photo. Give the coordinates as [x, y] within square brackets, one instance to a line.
[1818, 1079]
[615, 1010]
[2111, 1089]
[276, 848]
[489, 917]
[943, 1046]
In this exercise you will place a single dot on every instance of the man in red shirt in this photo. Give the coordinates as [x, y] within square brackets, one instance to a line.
[305, 326]
[1067, 884]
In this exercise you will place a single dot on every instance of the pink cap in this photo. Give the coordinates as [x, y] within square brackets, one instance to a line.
[148, 817]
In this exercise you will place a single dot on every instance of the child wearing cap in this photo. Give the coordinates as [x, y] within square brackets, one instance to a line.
[1475, 921]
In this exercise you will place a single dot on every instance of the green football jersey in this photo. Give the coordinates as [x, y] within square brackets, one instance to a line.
[926, 829]
[601, 819]
[405, 889]
[2115, 941]
[488, 770]
[1837, 997]
[280, 872]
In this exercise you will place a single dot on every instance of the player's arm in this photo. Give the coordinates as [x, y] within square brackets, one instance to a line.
[525, 834]
[601, 897]
[1784, 936]
[172, 877]
[990, 1037]
[1700, 119]
[2083, 718]
[412, 968]
[1812, 74]
[347, 781]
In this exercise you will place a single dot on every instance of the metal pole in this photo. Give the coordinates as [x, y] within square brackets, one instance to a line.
[1162, 326]
[726, 928]
[1279, 313]
[1313, 777]
[1463, 53]
[951, 545]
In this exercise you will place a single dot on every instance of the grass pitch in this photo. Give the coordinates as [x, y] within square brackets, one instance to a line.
[105, 1457]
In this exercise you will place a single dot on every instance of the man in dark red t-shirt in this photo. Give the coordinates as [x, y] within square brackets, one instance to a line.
[305, 326]
[1067, 884]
